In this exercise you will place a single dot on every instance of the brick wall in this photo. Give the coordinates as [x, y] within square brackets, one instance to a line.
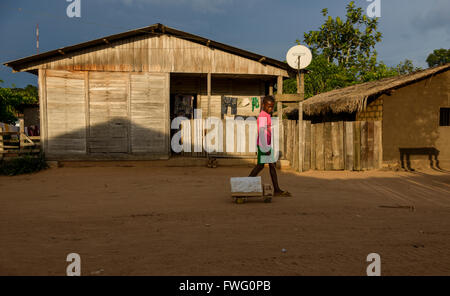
[373, 112]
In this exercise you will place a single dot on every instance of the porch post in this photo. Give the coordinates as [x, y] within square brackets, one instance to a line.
[42, 77]
[209, 93]
[280, 116]
[301, 140]
[208, 90]
[1, 142]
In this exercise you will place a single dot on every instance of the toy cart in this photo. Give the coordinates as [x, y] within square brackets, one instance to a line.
[250, 187]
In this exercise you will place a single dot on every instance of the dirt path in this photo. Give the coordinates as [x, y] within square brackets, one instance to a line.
[181, 221]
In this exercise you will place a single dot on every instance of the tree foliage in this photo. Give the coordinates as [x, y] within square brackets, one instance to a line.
[406, 67]
[324, 76]
[439, 57]
[344, 54]
[12, 98]
[348, 42]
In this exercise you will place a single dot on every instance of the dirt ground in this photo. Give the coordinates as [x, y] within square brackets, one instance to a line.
[182, 221]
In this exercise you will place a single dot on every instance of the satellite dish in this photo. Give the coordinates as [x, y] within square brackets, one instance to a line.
[299, 57]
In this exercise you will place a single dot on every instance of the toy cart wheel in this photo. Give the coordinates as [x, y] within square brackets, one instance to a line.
[267, 199]
[239, 200]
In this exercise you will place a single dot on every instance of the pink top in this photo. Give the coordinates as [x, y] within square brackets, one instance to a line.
[264, 121]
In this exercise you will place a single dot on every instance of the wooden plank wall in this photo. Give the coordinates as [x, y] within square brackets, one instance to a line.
[149, 113]
[65, 118]
[319, 146]
[105, 112]
[348, 140]
[357, 145]
[313, 144]
[241, 145]
[295, 155]
[364, 145]
[328, 146]
[108, 112]
[377, 146]
[162, 54]
[307, 145]
[336, 145]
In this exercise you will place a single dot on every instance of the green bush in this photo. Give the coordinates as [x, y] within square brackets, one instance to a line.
[26, 164]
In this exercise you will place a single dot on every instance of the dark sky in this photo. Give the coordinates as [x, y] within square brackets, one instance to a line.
[411, 28]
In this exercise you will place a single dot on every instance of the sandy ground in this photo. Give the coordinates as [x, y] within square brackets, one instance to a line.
[181, 221]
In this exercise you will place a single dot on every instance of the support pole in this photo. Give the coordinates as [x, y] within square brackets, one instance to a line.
[301, 140]
[43, 128]
[280, 116]
[22, 135]
[270, 88]
[1, 142]
[209, 93]
[280, 85]
[280, 91]
[208, 90]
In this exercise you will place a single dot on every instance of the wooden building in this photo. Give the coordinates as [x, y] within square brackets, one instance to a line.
[114, 97]
[414, 110]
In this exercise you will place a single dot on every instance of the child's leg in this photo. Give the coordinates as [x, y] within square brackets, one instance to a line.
[256, 170]
[273, 175]
[276, 189]
[259, 165]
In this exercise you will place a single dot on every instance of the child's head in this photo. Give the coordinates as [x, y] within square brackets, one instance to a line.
[268, 104]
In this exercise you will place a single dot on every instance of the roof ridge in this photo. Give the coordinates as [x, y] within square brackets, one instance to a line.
[156, 29]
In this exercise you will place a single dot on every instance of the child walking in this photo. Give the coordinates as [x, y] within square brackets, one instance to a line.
[265, 152]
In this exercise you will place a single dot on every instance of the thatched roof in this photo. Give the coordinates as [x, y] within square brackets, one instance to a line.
[354, 98]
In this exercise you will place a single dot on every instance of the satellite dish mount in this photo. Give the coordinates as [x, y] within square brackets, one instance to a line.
[299, 57]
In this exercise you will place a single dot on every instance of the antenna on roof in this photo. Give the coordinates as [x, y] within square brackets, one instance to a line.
[299, 57]
[37, 38]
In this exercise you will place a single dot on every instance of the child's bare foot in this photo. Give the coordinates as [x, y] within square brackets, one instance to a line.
[282, 193]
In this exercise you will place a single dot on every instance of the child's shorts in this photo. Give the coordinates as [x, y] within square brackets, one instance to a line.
[268, 159]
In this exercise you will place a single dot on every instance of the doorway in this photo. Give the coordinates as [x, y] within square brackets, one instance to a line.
[181, 105]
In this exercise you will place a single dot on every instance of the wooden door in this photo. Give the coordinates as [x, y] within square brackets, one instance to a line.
[108, 112]
[66, 121]
[150, 113]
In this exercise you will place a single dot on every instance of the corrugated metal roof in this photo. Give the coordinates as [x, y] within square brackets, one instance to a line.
[155, 30]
